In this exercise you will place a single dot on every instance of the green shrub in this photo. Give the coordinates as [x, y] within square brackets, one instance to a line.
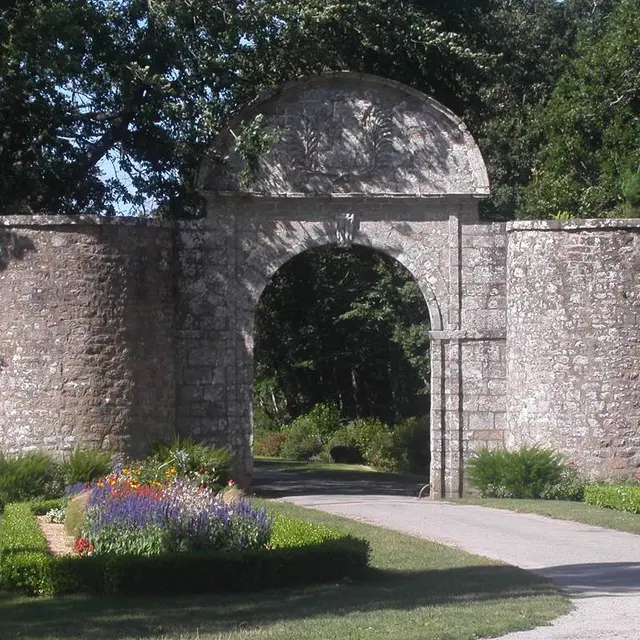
[263, 421]
[525, 473]
[570, 486]
[321, 555]
[30, 475]
[40, 507]
[24, 558]
[324, 419]
[85, 465]
[289, 532]
[301, 443]
[3, 502]
[619, 497]
[411, 449]
[375, 441]
[308, 435]
[269, 444]
[342, 446]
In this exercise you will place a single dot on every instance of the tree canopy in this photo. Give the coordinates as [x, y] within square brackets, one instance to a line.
[344, 326]
[147, 84]
[589, 162]
[106, 105]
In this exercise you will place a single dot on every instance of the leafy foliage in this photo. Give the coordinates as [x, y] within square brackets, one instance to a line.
[570, 486]
[208, 465]
[30, 475]
[345, 327]
[23, 552]
[269, 444]
[591, 126]
[85, 465]
[149, 84]
[525, 473]
[619, 497]
[289, 532]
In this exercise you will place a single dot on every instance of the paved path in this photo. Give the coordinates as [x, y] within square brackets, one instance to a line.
[599, 567]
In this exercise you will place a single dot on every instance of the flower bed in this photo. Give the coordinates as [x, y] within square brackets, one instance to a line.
[169, 539]
[125, 517]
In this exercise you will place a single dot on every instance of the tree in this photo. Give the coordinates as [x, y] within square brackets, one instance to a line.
[589, 164]
[147, 84]
[531, 43]
[349, 327]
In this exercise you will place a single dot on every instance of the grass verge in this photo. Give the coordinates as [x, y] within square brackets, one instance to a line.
[564, 510]
[415, 590]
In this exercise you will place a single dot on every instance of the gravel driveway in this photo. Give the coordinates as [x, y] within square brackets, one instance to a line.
[600, 568]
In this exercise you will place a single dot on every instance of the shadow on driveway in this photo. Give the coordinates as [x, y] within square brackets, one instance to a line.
[594, 579]
[272, 482]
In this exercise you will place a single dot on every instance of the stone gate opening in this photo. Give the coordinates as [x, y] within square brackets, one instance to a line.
[346, 328]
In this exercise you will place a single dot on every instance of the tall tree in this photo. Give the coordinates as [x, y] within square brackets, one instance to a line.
[531, 43]
[147, 84]
[589, 164]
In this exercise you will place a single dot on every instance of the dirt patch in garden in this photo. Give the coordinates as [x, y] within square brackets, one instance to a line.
[59, 543]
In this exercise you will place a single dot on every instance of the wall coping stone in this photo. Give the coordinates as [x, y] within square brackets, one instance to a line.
[595, 224]
[468, 335]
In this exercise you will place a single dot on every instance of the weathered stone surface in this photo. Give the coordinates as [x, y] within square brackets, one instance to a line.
[347, 133]
[86, 334]
[573, 341]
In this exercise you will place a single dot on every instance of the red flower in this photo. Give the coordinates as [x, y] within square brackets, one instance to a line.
[82, 547]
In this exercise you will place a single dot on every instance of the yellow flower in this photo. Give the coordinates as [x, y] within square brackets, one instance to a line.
[126, 472]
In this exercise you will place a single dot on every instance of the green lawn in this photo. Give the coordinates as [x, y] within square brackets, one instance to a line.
[564, 510]
[416, 590]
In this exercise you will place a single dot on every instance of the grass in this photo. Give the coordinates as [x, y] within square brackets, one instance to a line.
[416, 590]
[564, 510]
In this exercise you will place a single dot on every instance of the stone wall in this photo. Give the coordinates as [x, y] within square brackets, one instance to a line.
[573, 341]
[86, 333]
[118, 332]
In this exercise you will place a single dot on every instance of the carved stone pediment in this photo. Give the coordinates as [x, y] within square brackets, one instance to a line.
[346, 133]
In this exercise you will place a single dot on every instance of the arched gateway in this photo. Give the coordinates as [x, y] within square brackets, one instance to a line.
[118, 332]
[358, 159]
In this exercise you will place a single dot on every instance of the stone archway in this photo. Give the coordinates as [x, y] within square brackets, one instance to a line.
[367, 161]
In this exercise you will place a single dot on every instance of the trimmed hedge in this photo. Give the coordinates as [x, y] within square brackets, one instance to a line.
[619, 497]
[42, 507]
[322, 554]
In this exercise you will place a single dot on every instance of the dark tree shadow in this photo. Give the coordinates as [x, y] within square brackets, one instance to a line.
[271, 482]
[13, 247]
[78, 618]
[584, 580]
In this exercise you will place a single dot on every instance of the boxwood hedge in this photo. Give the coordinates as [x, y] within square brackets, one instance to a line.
[619, 497]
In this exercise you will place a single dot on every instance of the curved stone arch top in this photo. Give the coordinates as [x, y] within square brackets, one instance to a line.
[346, 133]
[265, 260]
